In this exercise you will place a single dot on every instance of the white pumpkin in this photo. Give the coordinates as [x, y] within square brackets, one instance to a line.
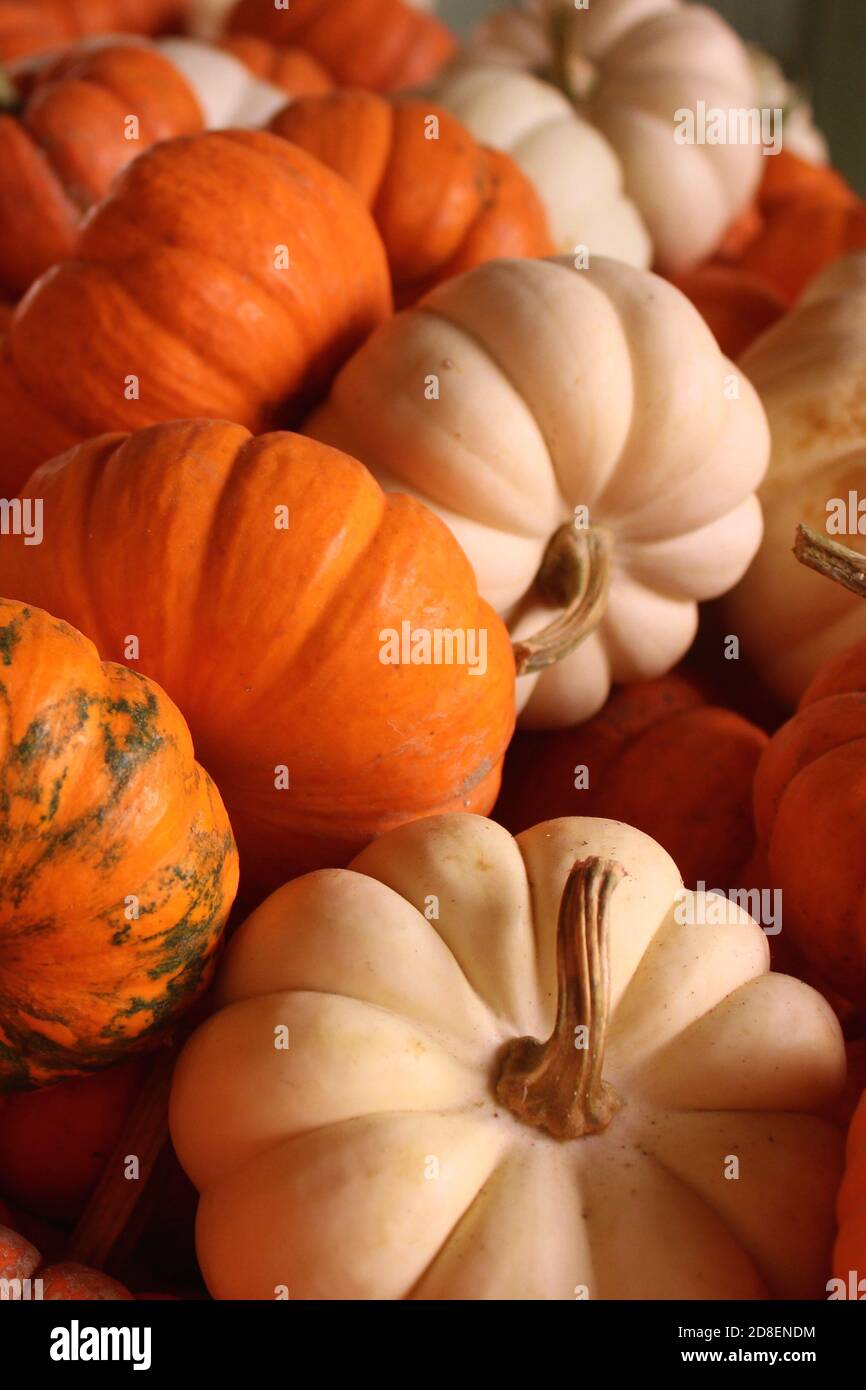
[228, 94]
[810, 371]
[630, 67]
[370, 1113]
[570, 163]
[524, 390]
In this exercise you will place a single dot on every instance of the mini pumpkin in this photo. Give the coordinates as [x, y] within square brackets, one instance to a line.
[569, 162]
[589, 446]
[72, 137]
[118, 866]
[511, 1065]
[658, 757]
[37, 26]
[637, 70]
[442, 203]
[382, 45]
[226, 274]
[809, 806]
[799, 239]
[810, 372]
[292, 609]
[28, 1277]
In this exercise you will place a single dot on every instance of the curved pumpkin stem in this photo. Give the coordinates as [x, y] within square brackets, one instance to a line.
[575, 575]
[557, 1085]
[114, 1201]
[829, 558]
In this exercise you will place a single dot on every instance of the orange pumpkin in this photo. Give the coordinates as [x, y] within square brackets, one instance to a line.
[71, 139]
[382, 45]
[737, 305]
[297, 72]
[799, 239]
[442, 205]
[810, 814]
[657, 757]
[36, 26]
[55, 1142]
[849, 1255]
[268, 576]
[19, 1260]
[117, 863]
[227, 274]
[790, 179]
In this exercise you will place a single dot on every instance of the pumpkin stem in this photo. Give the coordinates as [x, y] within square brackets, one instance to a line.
[116, 1196]
[571, 72]
[575, 576]
[557, 1085]
[10, 98]
[834, 561]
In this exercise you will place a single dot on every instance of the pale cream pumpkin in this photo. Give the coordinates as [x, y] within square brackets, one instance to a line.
[526, 389]
[228, 94]
[810, 371]
[570, 163]
[630, 66]
[367, 1115]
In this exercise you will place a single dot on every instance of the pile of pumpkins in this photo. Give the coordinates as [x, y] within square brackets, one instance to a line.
[364, 396]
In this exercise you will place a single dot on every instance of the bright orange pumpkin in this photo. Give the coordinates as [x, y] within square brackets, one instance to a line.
[442, 205]
[849, 1255]
[737, 306]
[266, 572]
[60, 156]
[658, 757]
[117, 862]
[810, 813]
[297, 72]
[36, 26]
[227, 274]
[382, 45]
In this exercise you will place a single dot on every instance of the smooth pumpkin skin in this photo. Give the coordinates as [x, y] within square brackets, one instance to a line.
[314, 1162]
[60, 156]
[850, 1250]
[810, 813]
[630, 65]
[37, 26]
[297, 72]
[441, 206]
[102, 799]
[736, 305]
[602, 388]
[659, 758]
[56, 1141]
[270, 639]
[382, 45]
[175, 281]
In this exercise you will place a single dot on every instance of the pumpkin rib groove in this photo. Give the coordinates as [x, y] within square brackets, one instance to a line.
[478, 342]
[498, 1162]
